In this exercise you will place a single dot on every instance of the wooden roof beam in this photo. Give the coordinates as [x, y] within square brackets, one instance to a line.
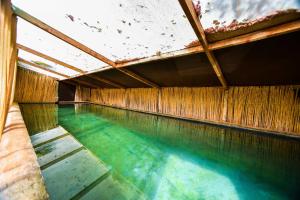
[27, 49]
[238, 40]
[105, 81]
[85, 83]
[76, 44]
[257, 35]
[32, 51]
[60, 35]
[40, 67]
[137, 77]
[188, 8]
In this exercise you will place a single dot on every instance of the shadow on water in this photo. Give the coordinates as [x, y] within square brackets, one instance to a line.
[168, 158]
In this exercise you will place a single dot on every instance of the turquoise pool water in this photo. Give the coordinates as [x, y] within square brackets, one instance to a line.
[156, 157]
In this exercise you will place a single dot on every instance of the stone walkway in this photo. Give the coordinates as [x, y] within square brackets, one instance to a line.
[69, 169]
[20, 175]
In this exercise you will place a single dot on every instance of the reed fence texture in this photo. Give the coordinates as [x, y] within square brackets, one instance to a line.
[8, 55]
[232, 147]
[39, 117]
[82, 94]
[32, 87]
[270, 108]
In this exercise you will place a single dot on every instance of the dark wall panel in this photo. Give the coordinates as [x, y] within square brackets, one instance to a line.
[66, 92]
[189, 71]
[273, 61]
[121, 78]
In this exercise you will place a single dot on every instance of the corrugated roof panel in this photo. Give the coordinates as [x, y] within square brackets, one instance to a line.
[48, 64]
[39, 40]
[119, 29]
[38, 70]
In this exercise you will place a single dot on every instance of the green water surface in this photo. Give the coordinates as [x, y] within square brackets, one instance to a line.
[153, 157]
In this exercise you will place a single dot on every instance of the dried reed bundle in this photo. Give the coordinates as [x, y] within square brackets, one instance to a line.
[8, 55]
[269, 107]
[40, 117]
[145, 99]
[32, 87]
[82, 94]
[112, 97]
[273, 108]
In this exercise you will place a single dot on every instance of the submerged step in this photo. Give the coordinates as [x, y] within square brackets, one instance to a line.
[70, 176]
[48, 135]
[110, 188]
[56, 149]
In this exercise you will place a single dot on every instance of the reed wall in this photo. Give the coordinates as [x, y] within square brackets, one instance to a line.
[82, 94]
[32, 87]
[271, 108]
[8, 55]
[39, 117]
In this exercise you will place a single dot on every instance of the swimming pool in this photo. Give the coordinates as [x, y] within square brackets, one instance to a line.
[165, 158]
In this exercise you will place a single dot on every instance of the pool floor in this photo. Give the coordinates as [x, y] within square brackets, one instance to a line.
[153, 157]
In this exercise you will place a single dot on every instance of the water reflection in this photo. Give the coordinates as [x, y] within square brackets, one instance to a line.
[39, 117]
[164, 158]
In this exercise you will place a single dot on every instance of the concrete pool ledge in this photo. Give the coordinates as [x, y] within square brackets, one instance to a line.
[20, 175]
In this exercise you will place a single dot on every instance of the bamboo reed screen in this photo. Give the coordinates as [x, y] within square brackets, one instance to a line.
[39, 117]
[273, 108]
[8, 54]
[32, 87]
[82, 94]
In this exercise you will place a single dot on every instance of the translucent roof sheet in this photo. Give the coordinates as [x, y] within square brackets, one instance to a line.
[223, 12]
[38, 70]
[119, 29]
[39, 40]
[48, 64]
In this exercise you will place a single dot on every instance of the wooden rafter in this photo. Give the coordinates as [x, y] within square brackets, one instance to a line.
[137, 77]
[105, 81]
[32, 51]
[60, 35]
[257, 35]
[40, 67]
[76, 44]
[27, 49]
[188, 8]
[238, 40]
[84, 83]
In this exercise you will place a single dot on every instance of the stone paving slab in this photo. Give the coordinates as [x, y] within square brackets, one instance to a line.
[70, 176]
[56, 149]
[42, 137]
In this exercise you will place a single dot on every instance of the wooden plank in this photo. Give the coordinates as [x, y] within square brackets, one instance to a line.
[137, 77]
[8, 59]
[188, 8]
[69, 81]
[238, 40]
[164, 56]
[85, 83]
[40, 67]
[75, 43]
[32, 51]
[257, 35]
[104, 80]
[60, 35]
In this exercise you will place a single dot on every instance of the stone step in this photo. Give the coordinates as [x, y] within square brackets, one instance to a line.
[41, 138]
[56, 149]
[70, 176]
